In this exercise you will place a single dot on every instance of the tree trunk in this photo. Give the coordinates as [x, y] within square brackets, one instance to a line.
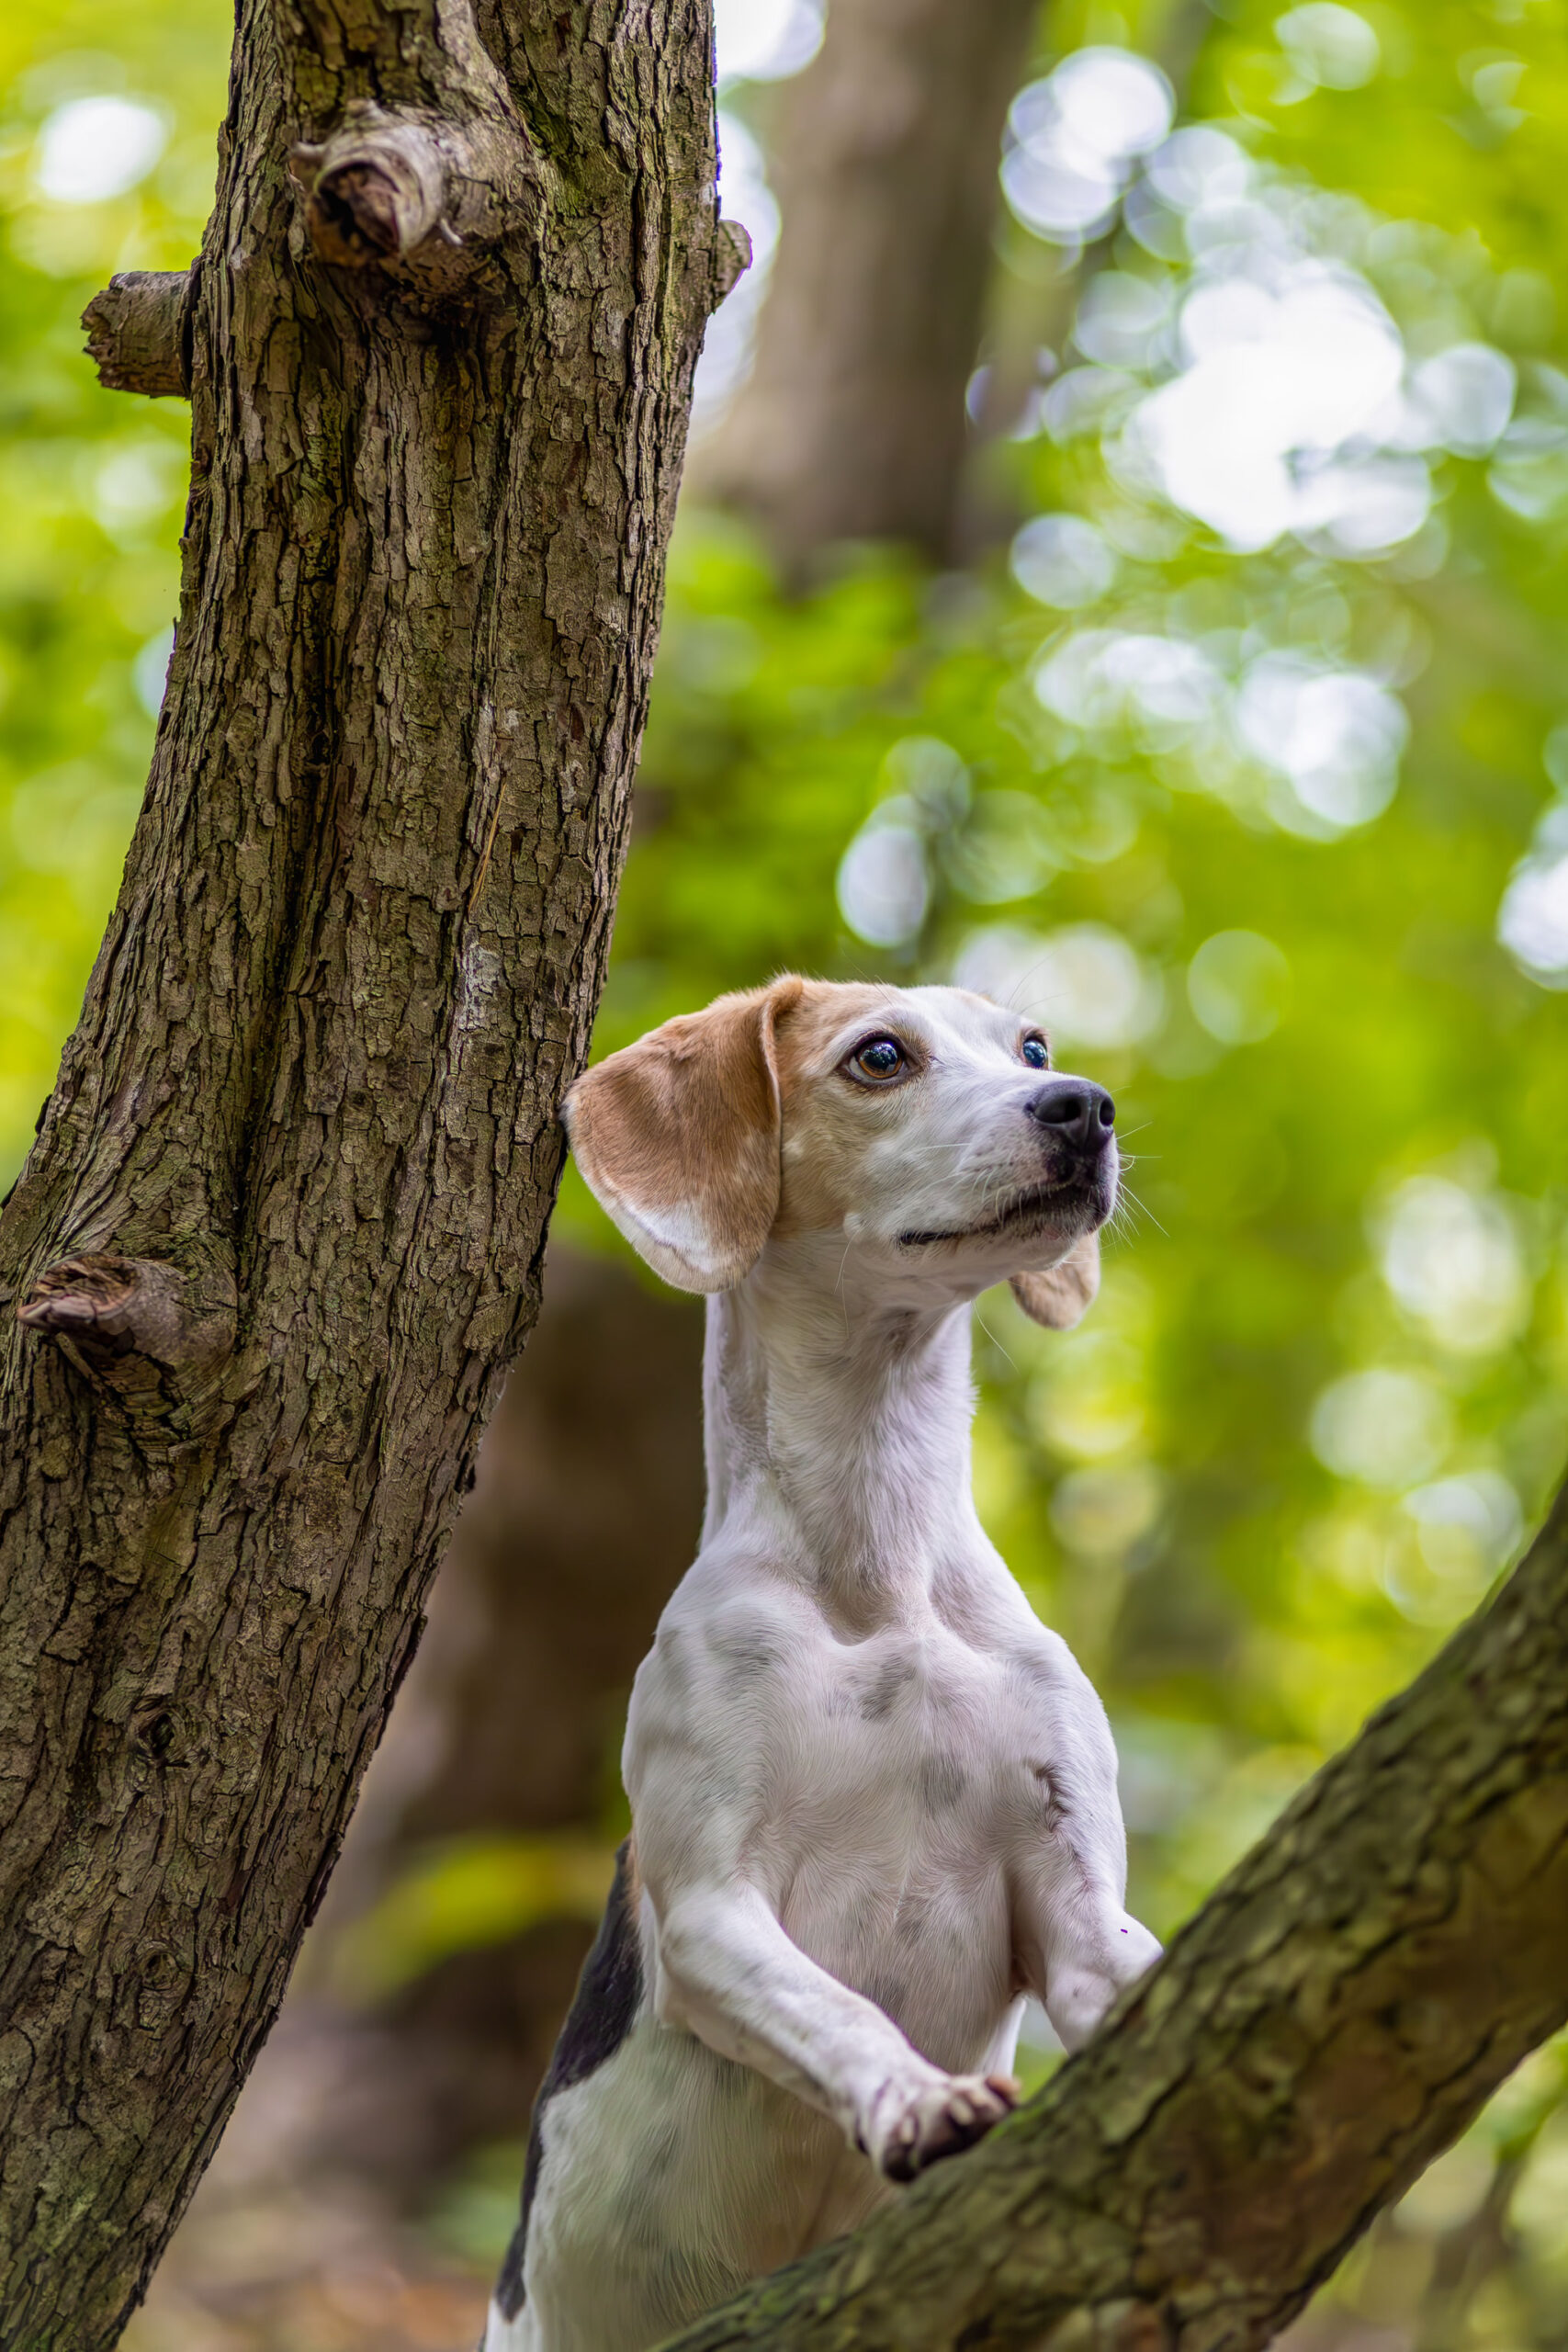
[1331, 2019]
[279, 1237]
[851, 424]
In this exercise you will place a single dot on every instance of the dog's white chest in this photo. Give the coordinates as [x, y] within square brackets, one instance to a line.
[884, 1782]
[889, 1858]
[906, 1738]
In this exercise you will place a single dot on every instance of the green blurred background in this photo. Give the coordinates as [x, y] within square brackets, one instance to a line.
[1240, 755]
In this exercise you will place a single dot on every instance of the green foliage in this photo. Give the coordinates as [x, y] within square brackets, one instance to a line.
[93, 488]
[463, 1894]
[1324, 1391]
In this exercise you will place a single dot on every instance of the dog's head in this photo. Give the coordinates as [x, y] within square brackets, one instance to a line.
[920, 1130]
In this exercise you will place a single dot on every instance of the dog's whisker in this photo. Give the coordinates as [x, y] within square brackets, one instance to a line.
[1143, 1209]
[990, 1335]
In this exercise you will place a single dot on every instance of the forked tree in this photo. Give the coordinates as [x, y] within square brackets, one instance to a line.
[279, 1239]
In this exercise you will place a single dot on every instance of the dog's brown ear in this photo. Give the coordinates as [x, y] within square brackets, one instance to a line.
[678, 1136]
[1063, 1295]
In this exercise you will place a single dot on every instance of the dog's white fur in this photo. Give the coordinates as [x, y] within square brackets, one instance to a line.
[874, 1798]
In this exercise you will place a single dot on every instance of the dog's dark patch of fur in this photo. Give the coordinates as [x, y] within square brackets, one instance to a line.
[601, 2013]
[1055, 1804]
[941, 1782]
[880, 1695]
[750, 1657]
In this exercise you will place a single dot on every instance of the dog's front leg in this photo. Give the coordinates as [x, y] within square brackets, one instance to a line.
[729, 1974]
[1077, 1945]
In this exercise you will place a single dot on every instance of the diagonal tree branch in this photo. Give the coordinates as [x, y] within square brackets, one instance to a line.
[1327, 2024]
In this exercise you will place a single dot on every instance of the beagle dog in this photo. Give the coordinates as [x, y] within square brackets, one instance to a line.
[873, 1798]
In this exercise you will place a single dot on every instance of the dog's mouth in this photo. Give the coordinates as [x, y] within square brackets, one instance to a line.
[1025, 1208]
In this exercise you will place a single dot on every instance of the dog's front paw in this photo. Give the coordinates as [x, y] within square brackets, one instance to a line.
[919, 2127]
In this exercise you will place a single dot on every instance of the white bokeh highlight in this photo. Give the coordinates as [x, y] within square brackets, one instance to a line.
[884, 885]
[1084, 984]
[765, 41]
[743, 195]
[1334, 736]
[1532, 921]
[1330, 48]
[1463, 397]
[1062, 561]
[1382, 1428]
[1158, 689]
[1278, 382]
[1073, 138]
[1451, 1259]
[149, 671]
[91, 149]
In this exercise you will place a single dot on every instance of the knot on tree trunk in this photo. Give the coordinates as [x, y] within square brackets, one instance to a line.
[376, 190]
[137, 1324]
[136, 332]
[413, 193]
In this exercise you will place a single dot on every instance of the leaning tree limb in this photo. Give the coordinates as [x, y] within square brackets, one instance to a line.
[1328, 2023]
[279, 1237]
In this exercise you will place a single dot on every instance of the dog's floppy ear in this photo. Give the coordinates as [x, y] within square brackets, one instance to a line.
[678, 1136]
[1063, 1295]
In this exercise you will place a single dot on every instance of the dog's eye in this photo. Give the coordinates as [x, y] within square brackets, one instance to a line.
[879, 1058]
[1036, 1053]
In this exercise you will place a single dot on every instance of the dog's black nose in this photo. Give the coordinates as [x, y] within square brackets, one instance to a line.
[1077, 1112]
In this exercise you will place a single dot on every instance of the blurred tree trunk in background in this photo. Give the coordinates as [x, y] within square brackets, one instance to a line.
[852, 426]
[279, 1238]
[584, 1515]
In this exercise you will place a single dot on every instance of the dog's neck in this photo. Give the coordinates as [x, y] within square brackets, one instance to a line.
[840, 1422]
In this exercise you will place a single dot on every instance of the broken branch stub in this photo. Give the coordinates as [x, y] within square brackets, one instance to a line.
[417, 196]
[373, 191]
[136, 333]
[124, 1302]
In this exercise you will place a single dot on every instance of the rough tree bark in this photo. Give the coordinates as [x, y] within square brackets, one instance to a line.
[851, 424]
[1326, 2025]
[279, 1237]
